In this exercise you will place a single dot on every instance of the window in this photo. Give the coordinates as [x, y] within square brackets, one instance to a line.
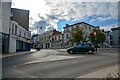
[67, 36]
[78, 45]
[86, 45]
[59, 37]
[20, 32]
[24, 34]
[55, 38]
[49, 37]
[86, 27]
[16, 29]
[52, 39]
[12, 28]
[119, 43]
[111, 37]
[119, 38]
[89, 28]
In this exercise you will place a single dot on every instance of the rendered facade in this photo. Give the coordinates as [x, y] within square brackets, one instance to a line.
[87, 28]
[116, 37]
[49, 40]
[4, 31]
[13, 36]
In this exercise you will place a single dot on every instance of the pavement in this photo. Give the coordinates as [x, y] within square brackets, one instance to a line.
[99, 50]
[109, 72]
[18, 53]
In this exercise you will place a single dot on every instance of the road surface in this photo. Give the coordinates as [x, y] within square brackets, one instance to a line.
[72, 67]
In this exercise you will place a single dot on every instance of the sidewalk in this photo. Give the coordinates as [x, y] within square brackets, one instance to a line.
[110, 72]
[18, 53]
[99, 50]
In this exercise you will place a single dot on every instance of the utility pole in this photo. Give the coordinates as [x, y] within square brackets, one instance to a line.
[37, 30]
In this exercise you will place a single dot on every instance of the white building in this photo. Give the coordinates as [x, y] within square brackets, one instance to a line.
[19, 38]
[87, 28]
[13, 36]
[57, 39]
[49, 39]
[44, 39]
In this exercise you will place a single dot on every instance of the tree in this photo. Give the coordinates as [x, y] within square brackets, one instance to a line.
[99, 38]
[76, 35]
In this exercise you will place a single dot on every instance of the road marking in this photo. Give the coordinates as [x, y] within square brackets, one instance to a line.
[53, 58]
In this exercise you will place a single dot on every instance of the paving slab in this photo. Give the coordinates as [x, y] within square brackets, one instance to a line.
[111, 71]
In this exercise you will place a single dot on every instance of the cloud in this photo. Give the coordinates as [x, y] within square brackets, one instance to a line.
[56, 11]
[108, 28]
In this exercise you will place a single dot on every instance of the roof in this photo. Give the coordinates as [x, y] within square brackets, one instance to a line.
[117, 28]
[78, 23]
[56, 32]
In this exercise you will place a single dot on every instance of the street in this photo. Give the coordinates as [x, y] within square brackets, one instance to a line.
[55, 64]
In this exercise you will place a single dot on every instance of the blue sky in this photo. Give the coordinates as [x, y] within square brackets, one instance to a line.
[55, 15]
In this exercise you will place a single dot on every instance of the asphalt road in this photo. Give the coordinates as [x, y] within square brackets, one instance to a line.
[14, 67]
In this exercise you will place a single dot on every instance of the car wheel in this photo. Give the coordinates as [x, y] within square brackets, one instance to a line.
[90, 52]
[70, 52]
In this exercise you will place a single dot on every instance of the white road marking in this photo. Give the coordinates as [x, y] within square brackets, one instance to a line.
[53, 58]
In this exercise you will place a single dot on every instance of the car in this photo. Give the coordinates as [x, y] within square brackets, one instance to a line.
[38, 49]
[82, 48]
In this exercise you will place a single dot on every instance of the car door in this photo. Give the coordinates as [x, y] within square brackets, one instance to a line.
[85, 48]
[80, 48]
[76, 48]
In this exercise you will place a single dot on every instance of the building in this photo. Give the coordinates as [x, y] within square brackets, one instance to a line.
[109, 38]
[33, 38]
[57, 39]
[4, 28]
[13, 35]
[87, 28]
[21, 16]
[44, 40]
[49, 40]
[19, 38]
[19, 30]
[0, 27]
[116, 37]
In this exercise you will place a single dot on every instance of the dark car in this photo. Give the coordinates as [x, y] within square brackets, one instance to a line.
[83, 47]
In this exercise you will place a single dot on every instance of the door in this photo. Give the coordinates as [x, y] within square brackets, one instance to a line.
[85, 47]
[79, 48]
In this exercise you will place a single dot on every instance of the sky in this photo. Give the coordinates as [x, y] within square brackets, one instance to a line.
[49, 15]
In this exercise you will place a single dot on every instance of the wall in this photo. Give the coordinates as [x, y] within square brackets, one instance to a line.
[21, 16]
[12, 46]
[116, 37]
[16, 40]
[0, 16]
[0, 39]
[86, 29]
[6, 12]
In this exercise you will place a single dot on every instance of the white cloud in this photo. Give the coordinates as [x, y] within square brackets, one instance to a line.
[108, 28]
[47, 13]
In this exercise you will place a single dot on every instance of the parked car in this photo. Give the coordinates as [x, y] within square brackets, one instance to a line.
[83, 47]
[37, 47]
